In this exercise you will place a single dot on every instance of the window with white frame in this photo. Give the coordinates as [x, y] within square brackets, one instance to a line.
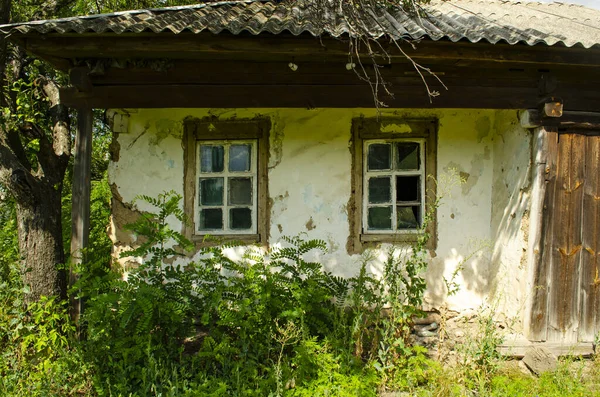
[225, 180]
[226, 187]
[394, 185]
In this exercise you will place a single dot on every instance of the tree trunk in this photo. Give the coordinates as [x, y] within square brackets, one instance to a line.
[35, 185]
[41, 244]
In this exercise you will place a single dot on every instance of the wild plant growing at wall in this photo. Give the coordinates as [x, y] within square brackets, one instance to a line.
[261, 320]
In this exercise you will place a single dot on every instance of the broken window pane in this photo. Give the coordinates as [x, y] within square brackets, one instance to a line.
[379, 190]
[380, 156]
[240, 218]
[211, 219]
[407, 156]
[211, 191]
[408, 188]
[380, 218]
[409, 217]
[240, 191]
[211, 158]
[240, 157]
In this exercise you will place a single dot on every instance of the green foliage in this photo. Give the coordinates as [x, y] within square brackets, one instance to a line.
[9, 245]
[83, 7]
[246, 320]
[37, 355]
[570, 379]
[243, 322]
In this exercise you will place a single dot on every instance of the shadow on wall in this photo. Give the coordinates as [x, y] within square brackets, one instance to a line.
[491, 265]
[510, 213]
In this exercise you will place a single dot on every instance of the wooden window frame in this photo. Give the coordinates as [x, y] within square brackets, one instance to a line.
[392, 173]
[211, 130]
[365, 129]
[227, 176]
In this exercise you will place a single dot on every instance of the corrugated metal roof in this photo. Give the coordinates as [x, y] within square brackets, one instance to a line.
[474, 20]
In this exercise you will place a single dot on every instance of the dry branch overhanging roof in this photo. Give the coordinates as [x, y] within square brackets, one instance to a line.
[473, 20]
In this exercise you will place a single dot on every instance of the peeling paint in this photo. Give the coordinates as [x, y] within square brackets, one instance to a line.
[165, 128]
[483, 126]
[141, 134]
[276, 142]
[310, 187]
[115, 148]
[397, 128]
[122, 214]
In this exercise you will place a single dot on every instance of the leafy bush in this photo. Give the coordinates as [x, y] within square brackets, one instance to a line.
[242, 322]
[38, 355]
[258, 322]
[39, 351]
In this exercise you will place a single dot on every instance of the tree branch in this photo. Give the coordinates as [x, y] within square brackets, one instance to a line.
[12, 174]
[47, 160]
[14, 142]
[61, 136]
[5, 7]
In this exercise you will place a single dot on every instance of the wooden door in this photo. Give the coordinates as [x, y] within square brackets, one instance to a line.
[567, 288]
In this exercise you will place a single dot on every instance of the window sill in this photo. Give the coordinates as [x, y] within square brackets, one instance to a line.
[390, 238]
[212, 240]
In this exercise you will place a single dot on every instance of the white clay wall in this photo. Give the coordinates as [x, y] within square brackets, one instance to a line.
[482, 223]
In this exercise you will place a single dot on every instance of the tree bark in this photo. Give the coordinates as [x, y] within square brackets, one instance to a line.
[41, 244]
[37, 186]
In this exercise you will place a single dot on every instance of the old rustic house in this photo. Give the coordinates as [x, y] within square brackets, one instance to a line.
[252, 110]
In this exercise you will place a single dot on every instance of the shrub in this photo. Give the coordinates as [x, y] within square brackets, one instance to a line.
[270, 322]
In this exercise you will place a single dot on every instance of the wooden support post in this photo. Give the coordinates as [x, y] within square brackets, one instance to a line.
[80, 214]
[533, 326]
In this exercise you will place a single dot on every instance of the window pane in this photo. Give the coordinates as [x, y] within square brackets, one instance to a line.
[379, 190]
[380, 156]
[380, 218]
[211, 191]
[211, 158]
[408, 188]
[409, 217]
[240, 191]
[239, 157]
[240, 218]
[407, 156]
[211, 219]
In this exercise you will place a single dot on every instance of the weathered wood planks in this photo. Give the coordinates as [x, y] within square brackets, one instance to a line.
[567, 281]
[590, 266]
[541, 287]
[565, 241]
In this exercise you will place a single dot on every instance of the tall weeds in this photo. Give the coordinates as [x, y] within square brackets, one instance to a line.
[270, 322]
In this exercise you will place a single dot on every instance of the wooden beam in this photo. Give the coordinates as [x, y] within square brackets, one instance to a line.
[518, 349]
[569, 120]
[288, 96]
[534, 322]
[79, 78]
[267, 46]
[332, 72]
[80, 211]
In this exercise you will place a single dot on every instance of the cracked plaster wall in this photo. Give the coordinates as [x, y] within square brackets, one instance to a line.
[480, 223]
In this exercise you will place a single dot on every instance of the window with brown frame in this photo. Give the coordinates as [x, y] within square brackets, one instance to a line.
[393, 180]
[225, 181]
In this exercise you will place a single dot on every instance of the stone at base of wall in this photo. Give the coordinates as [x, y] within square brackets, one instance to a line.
[540, 360]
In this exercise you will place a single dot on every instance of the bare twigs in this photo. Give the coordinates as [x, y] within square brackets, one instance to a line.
[367, 23]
